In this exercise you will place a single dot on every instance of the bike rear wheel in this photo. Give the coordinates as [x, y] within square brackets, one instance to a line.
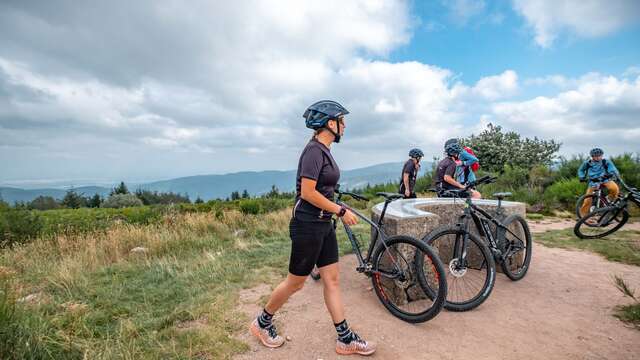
[469, 280]
[517, 247]
[601, 222]
[400, 284]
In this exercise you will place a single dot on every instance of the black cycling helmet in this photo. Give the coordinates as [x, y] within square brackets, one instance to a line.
[450, 141]
[318, 114]
[596, 152]
[453, 148]
[416, 153]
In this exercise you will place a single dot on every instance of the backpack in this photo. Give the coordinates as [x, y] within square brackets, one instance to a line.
[475, 166]
[604, 165]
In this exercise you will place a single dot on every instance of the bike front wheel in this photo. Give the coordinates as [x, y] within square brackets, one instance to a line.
[601, 222]
[471, 270]
[517, 247]
[400, 284]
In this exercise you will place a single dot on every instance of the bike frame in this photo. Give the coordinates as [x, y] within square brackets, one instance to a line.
[482, 224]
[364, 264]
[600, 199]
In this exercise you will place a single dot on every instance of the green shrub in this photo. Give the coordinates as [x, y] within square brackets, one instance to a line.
[117, 201]
[19, 226]
[251, 206]
[43, 203]
[513, 177]
[629, 167]
[568, 168]
[564, 193]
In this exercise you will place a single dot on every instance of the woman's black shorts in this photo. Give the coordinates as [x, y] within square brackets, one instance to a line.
[312, 243]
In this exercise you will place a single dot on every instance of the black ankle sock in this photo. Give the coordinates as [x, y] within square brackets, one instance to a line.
[264, 320]
[344, 332]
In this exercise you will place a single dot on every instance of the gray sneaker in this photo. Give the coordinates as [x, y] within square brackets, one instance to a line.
[357, 346]
[269, 337]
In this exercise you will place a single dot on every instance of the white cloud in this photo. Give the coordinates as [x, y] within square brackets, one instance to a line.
[600, 110]
[173, 90]
[499, 86]
[586, 18]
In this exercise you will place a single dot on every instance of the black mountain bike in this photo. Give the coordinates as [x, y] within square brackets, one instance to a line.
[410, 292]
[471, 261]
[609, 219]
[598, 197]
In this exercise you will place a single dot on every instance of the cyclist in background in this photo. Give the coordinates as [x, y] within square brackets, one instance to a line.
[597, 167]
[466, 161]
[410, 173]
[445, 177]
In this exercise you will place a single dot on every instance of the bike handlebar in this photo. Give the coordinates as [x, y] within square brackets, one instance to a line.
[353, 195]
[602, 178]
[483, 180]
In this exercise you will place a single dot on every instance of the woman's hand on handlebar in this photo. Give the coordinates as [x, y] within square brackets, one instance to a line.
[349, 218]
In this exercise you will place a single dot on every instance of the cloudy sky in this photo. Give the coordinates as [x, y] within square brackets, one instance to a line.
[97, 91]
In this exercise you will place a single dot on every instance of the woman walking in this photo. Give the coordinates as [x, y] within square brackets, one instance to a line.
[313, 238]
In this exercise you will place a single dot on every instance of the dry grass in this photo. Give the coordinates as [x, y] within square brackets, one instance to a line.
[106, 302]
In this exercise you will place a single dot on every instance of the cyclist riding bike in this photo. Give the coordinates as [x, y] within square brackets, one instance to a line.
[598, 168]
[313, 237]
[445, 178]
[410, 173]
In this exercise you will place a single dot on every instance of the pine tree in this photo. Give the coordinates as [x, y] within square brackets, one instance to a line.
[73, 200]
[120, 189]
[94, 201]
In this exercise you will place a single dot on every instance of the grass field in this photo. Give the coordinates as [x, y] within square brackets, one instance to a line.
[91, 297]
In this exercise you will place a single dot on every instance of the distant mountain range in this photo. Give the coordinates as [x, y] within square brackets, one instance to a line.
[221, 186]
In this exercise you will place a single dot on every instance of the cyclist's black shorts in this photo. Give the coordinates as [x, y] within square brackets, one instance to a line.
[312, 243]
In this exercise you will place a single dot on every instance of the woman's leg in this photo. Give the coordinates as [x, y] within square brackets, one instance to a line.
[283, 291]
[348, 342]
[331, 291]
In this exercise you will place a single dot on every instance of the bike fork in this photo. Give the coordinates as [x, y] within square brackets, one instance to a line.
[460, 245]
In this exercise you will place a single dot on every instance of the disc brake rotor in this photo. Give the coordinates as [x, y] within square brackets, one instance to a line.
[456, 270]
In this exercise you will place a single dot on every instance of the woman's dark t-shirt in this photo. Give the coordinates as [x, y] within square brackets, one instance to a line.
[411, 169]
[316, 163]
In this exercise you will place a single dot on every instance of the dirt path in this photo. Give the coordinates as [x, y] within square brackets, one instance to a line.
[561, 310]
[559, 224]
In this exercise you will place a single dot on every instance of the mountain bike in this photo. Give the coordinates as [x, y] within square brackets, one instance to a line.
[471, 261]
[410, 292]
[597, 197]
[609, 219]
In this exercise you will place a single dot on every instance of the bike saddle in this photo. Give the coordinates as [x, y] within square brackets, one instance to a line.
[390, 196]
[502, 195]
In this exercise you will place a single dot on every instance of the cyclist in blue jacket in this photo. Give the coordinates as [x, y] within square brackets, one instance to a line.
[598, 167]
